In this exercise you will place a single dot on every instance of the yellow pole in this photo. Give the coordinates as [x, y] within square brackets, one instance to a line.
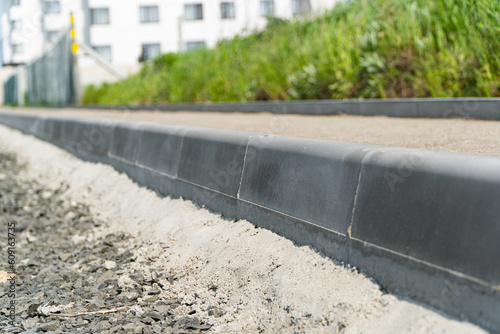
[74, 50]
[74, 45]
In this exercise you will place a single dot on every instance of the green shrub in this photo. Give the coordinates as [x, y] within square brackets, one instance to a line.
[359, 49]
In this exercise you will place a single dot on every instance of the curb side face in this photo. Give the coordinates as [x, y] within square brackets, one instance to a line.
[443, 210]
[213, 160]
[89, 138]
[160, 148]
[125, 143]
[310, 180]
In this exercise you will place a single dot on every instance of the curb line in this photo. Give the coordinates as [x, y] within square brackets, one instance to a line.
[422, 223]
[475, 108]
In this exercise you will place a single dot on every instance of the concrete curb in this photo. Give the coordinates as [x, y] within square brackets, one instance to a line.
[422, 223]
[477, 108]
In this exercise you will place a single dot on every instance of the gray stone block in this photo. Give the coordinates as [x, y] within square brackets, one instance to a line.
[460, 108]
[88, 138]
[213, 159]
[393, 108]
[217, 201]
[99, 134]
[482, 108]
[312, 180]
[74, 131]
[302, 233]
[437, 287]
[441, 208]
[22, 123]
[125, 143]
[162, 184]
[52, 130]
[160, 148]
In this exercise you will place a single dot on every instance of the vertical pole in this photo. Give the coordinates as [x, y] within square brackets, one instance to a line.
[179, 23]
[21, 85]
[74, 58]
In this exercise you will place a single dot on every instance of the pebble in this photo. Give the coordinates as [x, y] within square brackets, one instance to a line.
[215, 311]
[49, 326]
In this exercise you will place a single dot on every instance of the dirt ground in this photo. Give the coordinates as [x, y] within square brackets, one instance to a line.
[454, 135]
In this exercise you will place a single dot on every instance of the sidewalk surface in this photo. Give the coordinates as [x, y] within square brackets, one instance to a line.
[454, 135]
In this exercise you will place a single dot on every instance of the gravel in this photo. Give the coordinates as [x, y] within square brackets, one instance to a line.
[61, 272]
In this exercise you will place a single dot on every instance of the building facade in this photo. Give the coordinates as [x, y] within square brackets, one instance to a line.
[128, 31]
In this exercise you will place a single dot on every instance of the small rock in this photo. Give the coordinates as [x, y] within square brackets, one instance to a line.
[31, 331]
[198, 327]
[69, 217]
[130, 327]
[215, 312]
[109, 265]
[131, 295]
[49, 326]
[77, 239]
[136, 310]
[154, 292]
[10, 329]
[33, 308]
[162, 308]
[65, 256]
[150, 299]
[46, 194]
[153, 315]
[30, 238]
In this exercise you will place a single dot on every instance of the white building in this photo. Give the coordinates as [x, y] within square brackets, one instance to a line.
[121, 31]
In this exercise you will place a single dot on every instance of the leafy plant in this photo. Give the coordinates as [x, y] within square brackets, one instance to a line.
[359, 49]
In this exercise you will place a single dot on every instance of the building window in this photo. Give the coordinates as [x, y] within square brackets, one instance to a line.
[99, 16]
[195, 45]
[17, 49]
[104, 51]
[266, 8]
[149, 14]
[15, 2]
[52, 7]
[16, 25]
[150, 51]
[51, 35]
[193, 12]
[227, 10]
[301, 7]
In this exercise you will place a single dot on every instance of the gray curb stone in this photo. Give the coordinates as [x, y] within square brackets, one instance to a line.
[422, 223]
[477, 108]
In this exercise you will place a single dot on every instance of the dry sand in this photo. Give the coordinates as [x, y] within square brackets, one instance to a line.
[454, 135]
[264, 282]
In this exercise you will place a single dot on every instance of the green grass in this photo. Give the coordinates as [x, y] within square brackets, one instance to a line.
[359, 49]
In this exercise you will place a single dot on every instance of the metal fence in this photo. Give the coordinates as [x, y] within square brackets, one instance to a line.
[51, 77]
[10, 90]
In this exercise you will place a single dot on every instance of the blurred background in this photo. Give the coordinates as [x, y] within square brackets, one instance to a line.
[144, 52]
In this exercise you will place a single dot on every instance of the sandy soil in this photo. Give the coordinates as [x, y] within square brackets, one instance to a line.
[454, 135]
[264, 283]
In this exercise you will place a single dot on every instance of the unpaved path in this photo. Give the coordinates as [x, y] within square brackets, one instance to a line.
[454, 135]
[258, 281]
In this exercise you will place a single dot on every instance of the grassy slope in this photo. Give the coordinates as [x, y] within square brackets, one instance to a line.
[360, 49]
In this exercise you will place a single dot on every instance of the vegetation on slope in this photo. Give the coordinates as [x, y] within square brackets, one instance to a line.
[359, 49]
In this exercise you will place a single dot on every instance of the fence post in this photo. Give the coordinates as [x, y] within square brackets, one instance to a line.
[75, 70]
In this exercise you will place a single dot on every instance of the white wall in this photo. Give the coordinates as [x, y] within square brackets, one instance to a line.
[35, 25]
[126, 34]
